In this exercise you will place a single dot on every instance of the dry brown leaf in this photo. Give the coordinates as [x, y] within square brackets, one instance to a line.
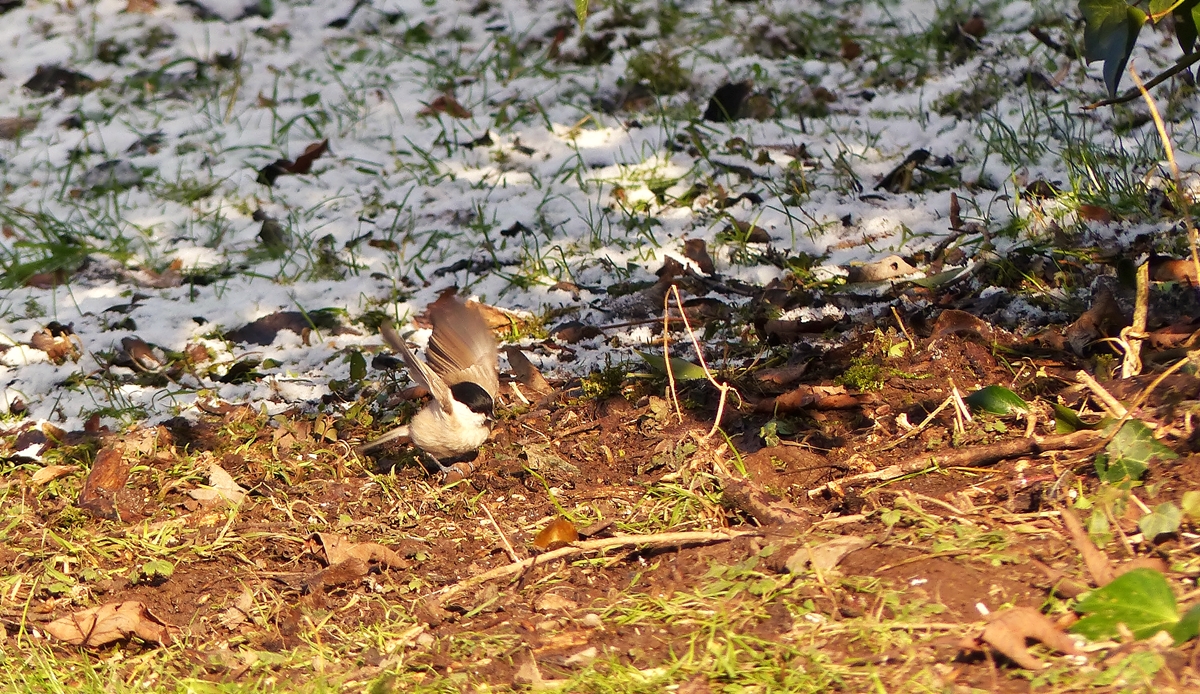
[114, 621]
[141, 6]
[446, 104]
[560, 533]
[1096, 561]
[50, 473]
[525, 371]
[956, 322]
[696, 250]
[880, 270]
[1095, 213]
[106, 478]
[11, 128]
[1008, 630]
[222, 488]
[338, 549]
[826, 555]
[1103, 319]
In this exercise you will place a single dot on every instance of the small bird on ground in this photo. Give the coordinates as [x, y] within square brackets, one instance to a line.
[462, 375]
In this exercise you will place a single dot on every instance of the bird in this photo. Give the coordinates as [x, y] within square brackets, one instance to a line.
[462, 375]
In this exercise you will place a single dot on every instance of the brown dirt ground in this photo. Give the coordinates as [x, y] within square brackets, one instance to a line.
[600, 455]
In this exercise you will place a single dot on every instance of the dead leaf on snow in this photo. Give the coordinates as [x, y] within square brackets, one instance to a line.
[221, 487]
[527, 374]
[10, 128]
[114, 621]
[696, 250]
[1008, 630]
[446, 104]
[338, 549]
[880, 270]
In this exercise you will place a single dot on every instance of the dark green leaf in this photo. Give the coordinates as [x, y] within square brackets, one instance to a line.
[1109, 34]
[1188, 627]
[996, 400]
[1159, 8]
[1187, 17]
[1066, 421]
[1140, 599]
[1165, 518]
[358, 366]
[1130, 452]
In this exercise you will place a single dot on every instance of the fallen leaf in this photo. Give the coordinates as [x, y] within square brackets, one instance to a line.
[956, 322]
[560, 533]
[1103, 319]
[880, 270]
[552, 602]
[338, 549]
[446, 104]
[221, 487]
[11, 128]
[1095, 213]
[825, 556]
[696, 250]
[1008, 630]
[50, 473]
[101, 625]
[107, 476]
[726, 103]
[141, 6]
[527, 374]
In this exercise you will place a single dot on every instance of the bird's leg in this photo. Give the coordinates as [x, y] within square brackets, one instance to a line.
[463, 469]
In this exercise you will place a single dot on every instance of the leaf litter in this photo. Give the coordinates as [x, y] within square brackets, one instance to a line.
[822, 279]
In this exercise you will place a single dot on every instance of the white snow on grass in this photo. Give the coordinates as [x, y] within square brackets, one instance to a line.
[404, 194]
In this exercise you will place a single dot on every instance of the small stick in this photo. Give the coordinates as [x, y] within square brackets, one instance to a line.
[655, 540]
[672, 395]
[724, 388]
[512, 553]
[912, 344]
[971, 457]
[1132, 336]
[1180, 201]
[917, 429]
[1110, 403]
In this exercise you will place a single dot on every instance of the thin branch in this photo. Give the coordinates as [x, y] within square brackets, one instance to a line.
[655, 540]
[1157, 80]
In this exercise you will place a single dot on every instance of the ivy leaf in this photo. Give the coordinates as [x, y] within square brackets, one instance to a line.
[682, 369]
[1190, 504]
[1165, 518]
[1066, 421]
[996, 400]
[1110, 34]
[1140, 599]
[1188, 627]
[1187, 17]
[1160, 8]
[1129, 454]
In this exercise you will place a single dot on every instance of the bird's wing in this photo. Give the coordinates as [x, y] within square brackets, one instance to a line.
[462, 348]
[417, 369]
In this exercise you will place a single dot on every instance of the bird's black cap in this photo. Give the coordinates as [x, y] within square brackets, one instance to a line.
[474, 397]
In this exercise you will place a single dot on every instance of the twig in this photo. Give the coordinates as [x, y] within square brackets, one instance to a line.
[912, 344]
[672, 395]
[655, 540]
[724, 388]
[971, 457]
[1158, 79]
[1132, 336]
[512, 553]
[1180, 200]
[917, 429]
[1110, 403]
